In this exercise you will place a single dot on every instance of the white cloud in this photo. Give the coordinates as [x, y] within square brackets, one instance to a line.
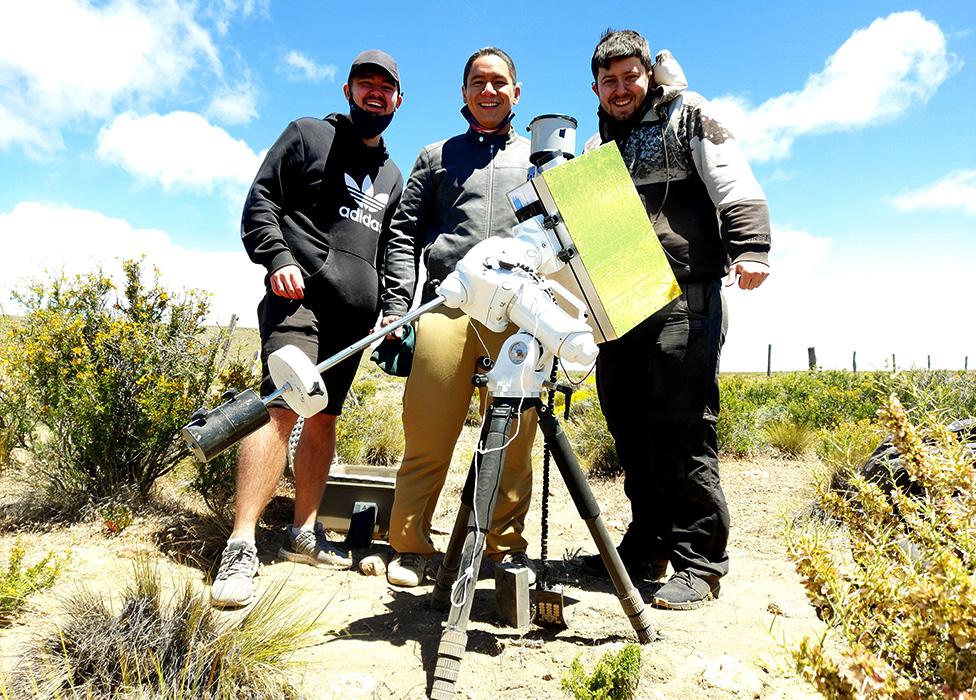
[818, 295]
[957, 190]
[880, 73]
[222, 11]
[41, 239]
[63, 60]
[298, 66]
[233, 106]
[178, 150]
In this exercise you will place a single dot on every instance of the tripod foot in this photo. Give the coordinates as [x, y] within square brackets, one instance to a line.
[449, 655]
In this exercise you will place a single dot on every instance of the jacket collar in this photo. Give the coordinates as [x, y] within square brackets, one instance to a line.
[500, 140]
[345, 129]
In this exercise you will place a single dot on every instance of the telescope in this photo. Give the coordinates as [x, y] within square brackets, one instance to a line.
[612, 277]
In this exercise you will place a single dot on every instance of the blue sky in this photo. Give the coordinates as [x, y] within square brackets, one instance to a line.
[130, 126]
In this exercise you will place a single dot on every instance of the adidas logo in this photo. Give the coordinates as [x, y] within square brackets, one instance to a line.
[368, 203]
[364, 195]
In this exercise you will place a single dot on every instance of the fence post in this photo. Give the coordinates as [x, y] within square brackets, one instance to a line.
[769, 360]
[965, 363]
[854, 362]
[812, 357]
[928, 362]
[894, 367]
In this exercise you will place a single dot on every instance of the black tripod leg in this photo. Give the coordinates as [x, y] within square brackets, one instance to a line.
[440, 597]
[454, 639]
[589, 510]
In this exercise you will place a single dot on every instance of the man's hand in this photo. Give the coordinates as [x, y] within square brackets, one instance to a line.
[387, 320]
[287, 282]
[751, 274]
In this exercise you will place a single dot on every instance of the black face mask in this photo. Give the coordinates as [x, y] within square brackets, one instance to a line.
[368, 125]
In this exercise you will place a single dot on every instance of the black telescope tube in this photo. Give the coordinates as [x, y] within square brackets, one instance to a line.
[211, 432]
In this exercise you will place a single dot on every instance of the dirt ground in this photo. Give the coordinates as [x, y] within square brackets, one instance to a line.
[375, 641]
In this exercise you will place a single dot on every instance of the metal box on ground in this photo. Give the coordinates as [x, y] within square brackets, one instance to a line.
[352, 484]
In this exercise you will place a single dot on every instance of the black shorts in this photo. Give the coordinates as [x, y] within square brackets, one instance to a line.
[318, 331]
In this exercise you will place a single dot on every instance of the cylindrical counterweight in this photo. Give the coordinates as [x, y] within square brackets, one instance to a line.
[211, 432]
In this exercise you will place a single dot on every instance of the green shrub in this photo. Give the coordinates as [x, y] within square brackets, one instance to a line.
[615, 677]
[895, 580]
[591, 440]
[791, 439]
[110, 377]
[178, 648]
[16, 582]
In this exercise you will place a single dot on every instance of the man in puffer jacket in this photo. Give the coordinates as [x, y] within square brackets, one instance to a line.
[658, 384]
[454, 198]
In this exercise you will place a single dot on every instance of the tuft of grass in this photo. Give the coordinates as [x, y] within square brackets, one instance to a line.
[791, 439]
[156, 648]
[17, 582]
[616, 676]
[371, 432]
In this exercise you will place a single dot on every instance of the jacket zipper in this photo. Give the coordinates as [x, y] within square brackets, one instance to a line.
[491, 179]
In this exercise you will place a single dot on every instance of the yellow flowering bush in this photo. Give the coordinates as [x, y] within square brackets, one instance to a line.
[893, 572]
[105, 378]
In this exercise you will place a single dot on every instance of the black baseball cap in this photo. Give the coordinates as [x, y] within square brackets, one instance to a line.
[380, 59]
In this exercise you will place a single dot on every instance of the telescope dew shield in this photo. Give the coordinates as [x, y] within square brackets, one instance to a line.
[211, 432]
[553, 136]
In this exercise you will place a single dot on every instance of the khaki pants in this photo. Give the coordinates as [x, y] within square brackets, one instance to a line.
[435, 403]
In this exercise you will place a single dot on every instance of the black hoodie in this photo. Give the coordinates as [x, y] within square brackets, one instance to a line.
[323, 200]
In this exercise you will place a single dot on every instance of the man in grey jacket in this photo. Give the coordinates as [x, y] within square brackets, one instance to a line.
[454, 198]
[658, 384]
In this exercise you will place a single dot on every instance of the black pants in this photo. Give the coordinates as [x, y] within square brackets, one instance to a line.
[658, 387]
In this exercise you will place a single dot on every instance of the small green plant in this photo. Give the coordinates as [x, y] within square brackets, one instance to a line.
[177, 648]
[17, 582]
[891, 571]
[115, 518]
[615, 677]
[791, 439]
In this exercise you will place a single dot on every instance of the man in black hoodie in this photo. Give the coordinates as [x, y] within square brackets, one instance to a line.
[658, 383]
[315, 217]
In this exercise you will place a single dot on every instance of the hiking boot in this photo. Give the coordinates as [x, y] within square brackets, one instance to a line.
[311, 547]
[406, 570]
[518, 560]
[685, 591]
[637, 570]
[234, 584]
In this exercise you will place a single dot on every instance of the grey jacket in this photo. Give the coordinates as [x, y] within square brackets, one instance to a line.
[455, 197]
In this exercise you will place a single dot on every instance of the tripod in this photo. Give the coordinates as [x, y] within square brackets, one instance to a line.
[457, 576]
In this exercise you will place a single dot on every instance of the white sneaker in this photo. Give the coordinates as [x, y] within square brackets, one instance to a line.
[518, 560]
[311, 547]
[234, 585]
[406, 570]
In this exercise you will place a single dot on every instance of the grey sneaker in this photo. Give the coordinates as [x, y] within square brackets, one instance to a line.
[518, 560]
[234, 585]
[685, 591]
[311, 547]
